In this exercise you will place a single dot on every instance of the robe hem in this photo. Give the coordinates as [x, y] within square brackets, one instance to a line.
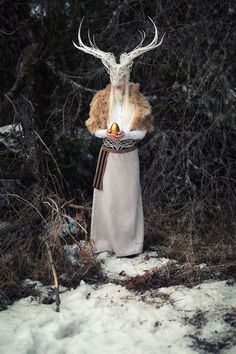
[118, 254]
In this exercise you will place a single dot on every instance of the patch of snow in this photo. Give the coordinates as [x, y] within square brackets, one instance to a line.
[10, 136]
[72, 253]
[4, 224]
[202, 265]
[70, 226]
[109, 318]
[6, 129]
[119, 268]
[44, 290]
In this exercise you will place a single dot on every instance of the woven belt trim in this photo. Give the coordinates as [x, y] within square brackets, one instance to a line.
[119, 144]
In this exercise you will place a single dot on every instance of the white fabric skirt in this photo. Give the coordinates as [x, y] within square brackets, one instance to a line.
[117, 221]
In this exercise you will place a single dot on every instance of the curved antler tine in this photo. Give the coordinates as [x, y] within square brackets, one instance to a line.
[143, 35]
[155, 34]
[90, 40]
[79, 34]
[94, 43]
[140, 50]
[82, 46]
[106, 57]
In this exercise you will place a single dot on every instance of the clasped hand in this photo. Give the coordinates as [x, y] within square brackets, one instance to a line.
[114, 137]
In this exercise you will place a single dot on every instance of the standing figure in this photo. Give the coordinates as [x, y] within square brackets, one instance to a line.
[119, 115]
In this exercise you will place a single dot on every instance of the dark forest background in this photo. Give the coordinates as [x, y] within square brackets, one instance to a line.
[48, 160]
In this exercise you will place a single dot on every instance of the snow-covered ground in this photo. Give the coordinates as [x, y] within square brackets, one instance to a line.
[121, 268]
[110, 319]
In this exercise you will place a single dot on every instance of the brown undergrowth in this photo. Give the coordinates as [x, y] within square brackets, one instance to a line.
[173, 273]
[24, 254]
[190, 233]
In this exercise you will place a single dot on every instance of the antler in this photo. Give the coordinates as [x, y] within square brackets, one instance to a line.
[128, 57]
[107, 58]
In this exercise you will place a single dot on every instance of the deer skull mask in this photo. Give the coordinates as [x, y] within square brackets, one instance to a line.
[118, 72]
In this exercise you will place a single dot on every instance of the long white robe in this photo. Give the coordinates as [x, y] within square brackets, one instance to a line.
[117, 222]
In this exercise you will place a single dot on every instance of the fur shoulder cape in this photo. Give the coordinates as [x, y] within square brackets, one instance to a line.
[99, 107]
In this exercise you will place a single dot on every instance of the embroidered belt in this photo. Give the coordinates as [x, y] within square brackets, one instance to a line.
[119, 144]
[102, 160]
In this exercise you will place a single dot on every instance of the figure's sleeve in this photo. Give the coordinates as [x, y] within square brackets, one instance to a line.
[100, 133]
[134, 134]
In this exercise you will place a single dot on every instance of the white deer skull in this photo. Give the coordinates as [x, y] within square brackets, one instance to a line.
[121, 71]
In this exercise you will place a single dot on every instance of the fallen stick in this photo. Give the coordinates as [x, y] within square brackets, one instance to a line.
[76, 206]
[58, 301]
